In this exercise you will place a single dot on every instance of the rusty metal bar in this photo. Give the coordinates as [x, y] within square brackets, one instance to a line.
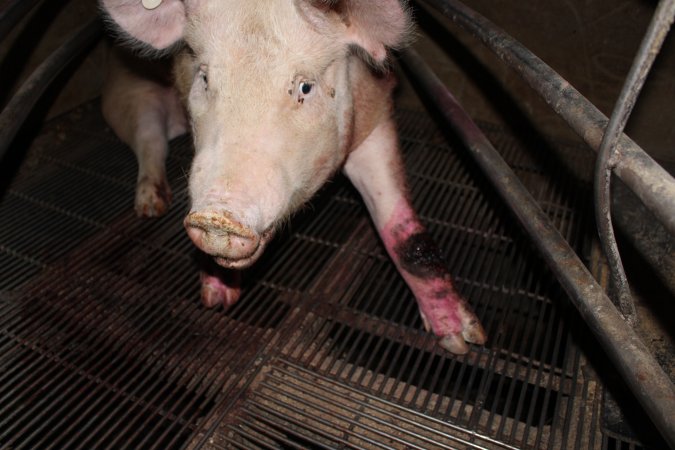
[21, 104]
[649, 49]
[652, 184]
[11, 13]
[646, 379]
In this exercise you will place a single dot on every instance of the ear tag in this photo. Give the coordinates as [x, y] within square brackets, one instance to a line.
[151, 4]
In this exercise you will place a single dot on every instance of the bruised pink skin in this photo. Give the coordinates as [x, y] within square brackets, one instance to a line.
[421, 264]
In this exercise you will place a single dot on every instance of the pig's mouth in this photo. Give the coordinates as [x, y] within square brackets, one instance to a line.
[242, 262]
[232, 244]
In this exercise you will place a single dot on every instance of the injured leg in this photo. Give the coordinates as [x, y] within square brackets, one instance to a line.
[376, 170]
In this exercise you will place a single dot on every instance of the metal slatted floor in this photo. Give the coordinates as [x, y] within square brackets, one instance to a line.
[104, 342]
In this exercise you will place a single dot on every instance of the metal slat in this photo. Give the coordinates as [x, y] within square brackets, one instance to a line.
[323, 388]
[275, 313]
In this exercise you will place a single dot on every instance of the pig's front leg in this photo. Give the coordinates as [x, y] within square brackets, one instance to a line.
[153, 194]
[376, 170]
[159, 118]
[145, 115]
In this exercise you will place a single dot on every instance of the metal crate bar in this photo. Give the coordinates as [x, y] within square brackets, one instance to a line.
[652, 184]
[651, 386]
[21, 104]
[649, 49]
[11, 13]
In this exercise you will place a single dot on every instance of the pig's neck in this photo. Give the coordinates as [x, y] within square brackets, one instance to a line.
[371, 99]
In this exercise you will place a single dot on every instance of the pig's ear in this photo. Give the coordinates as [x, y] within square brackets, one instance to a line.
[373, 25]
[147, 24]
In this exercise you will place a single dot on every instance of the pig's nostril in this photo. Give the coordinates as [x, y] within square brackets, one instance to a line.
[218, 223]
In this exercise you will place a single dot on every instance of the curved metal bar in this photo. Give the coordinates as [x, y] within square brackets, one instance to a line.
[11, 13]
[22, 103]
[649, 181]
[646, 379]
[651, 44]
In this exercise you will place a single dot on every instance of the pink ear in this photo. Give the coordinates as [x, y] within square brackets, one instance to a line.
[377, 25]
[373, 25]
[159, 28]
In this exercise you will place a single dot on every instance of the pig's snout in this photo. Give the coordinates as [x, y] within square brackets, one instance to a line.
[217, 233]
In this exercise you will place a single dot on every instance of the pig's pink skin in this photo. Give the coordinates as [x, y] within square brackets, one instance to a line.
[216, 291]
[132, 19]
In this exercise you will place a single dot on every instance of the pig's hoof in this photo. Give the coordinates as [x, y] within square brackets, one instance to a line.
[215, 291]
[213, 296]
[473, 332]
[457, 343]
[454, 343]
[152, 198]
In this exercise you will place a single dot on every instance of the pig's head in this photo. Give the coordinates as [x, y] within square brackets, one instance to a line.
[268, 89]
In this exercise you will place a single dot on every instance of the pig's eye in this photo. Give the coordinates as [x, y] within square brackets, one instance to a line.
[199, 92]
[306, 87]
[201, 75]
[303, 90]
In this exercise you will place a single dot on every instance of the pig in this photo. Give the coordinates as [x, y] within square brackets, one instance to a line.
[279, 95]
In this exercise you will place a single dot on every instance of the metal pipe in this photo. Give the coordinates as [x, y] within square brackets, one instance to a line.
[646, 235]
[652, 184]
[11, 13]
[649, 48]
[650, 385]
[21, 104]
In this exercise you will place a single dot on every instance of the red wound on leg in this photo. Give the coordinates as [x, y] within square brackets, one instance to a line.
[421, 263]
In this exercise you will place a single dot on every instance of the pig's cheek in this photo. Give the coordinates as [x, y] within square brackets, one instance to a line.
[199, 98]
[197, 109]
[197, 178]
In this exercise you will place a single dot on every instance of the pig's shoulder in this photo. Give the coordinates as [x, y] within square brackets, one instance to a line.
[371, 93]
